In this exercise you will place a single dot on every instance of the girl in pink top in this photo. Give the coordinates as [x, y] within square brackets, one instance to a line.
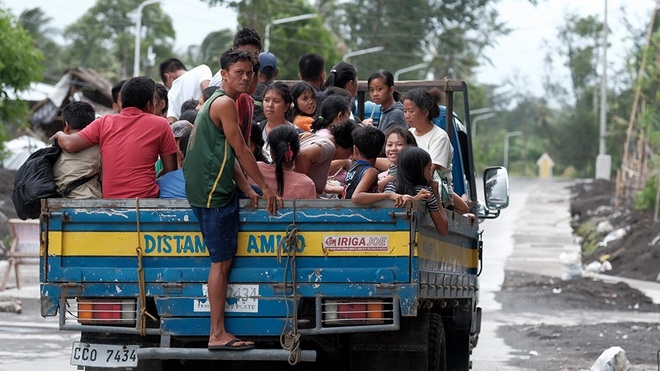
[284, 146]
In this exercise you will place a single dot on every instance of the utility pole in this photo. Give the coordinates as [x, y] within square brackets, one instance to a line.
[354, 53]
[415, 67]
[506, 145]
[603, 161]
[280, 21]
[138, 29]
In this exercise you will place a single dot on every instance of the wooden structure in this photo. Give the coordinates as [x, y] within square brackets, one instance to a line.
[24, 248]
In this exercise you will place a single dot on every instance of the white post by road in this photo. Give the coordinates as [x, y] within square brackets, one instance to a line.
[138, 26]
[506, 145]
[603, 160]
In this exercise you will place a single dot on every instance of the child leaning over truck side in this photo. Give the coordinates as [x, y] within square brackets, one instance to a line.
[414, 178]
[284, 146]
[361, 184]
[86, 164]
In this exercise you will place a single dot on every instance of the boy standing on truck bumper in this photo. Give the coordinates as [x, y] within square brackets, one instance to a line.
[215, 143]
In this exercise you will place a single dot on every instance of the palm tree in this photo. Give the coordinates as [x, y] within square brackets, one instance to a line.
[35, 22]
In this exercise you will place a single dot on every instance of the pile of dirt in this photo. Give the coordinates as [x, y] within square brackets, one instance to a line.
[591, 316]
[579, 293]
[629, 239]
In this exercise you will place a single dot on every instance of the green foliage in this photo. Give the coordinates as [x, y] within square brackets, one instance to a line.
[581, 40]
[103, 38]
[572, 133]
[35, 22]
[209, 51]
[645, 198]
[20, 65]
[291, 40]
[587, 231]
[451, 35]
[288, 41]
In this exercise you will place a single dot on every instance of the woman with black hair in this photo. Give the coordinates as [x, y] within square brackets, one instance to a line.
[343, 75]
[334, 109]
[284, 144]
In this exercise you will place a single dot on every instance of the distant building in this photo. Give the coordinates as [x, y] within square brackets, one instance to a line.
[77, 84]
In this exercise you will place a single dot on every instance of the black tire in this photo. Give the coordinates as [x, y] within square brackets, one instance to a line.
[458, 349]
[437, 355]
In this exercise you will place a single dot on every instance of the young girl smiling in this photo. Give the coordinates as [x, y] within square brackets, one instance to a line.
[304, 105]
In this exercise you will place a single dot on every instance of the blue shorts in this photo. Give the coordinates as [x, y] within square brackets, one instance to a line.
[219, 228]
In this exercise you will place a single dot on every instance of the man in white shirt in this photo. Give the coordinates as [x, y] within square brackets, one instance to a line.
[183, 85]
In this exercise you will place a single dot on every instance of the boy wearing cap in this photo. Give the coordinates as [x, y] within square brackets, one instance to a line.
[267, 72]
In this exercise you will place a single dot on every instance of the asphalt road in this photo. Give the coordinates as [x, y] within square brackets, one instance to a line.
[29, 342]
[529, 235]
[525, 331]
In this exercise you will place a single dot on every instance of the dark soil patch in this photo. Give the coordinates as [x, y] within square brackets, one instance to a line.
[548, 347]
[547, 294]
[637, 254]
[572, 347]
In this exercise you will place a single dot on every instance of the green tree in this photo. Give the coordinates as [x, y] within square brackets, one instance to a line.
[288, 41]
[209, 51]
[35, 22]
[20, 65]
[450, 35]
[212, 47]
[103, 38]
[573, 131]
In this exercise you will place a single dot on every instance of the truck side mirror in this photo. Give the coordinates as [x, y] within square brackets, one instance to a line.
[496, 188]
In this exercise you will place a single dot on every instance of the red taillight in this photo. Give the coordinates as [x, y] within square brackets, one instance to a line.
[106, 311]
[352, 311]
[338, 312]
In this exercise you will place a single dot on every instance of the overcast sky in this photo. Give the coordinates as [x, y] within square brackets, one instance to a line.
[517, 57]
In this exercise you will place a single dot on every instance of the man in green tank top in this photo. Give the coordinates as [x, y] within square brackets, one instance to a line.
[215, 144]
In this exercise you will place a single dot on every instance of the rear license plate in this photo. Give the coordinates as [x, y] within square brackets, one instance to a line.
[104, 355]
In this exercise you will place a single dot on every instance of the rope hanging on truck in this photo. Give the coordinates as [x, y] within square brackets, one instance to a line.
[289, 244]
[140, 274]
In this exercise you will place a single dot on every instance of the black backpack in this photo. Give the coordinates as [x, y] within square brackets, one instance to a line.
[35, 181]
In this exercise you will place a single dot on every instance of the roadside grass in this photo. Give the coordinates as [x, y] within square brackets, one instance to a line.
[587, 231]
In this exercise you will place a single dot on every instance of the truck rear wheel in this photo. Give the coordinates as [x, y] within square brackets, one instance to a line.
[458, 346]
[437, 355]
